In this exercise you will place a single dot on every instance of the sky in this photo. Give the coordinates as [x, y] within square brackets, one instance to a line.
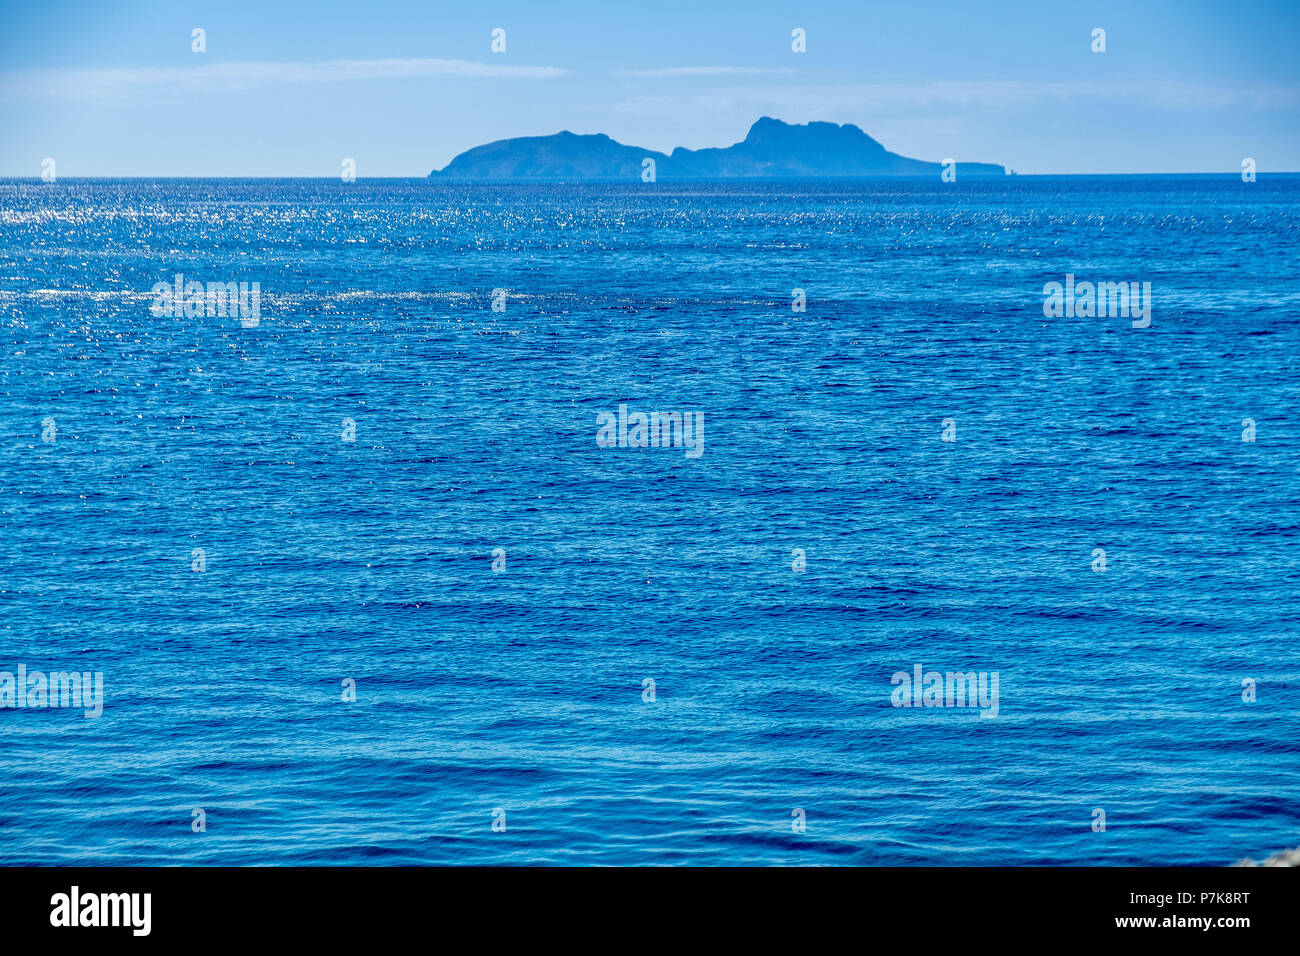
[403, 86]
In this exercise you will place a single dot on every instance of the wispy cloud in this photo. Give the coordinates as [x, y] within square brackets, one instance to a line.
[708, 71]
[110, 82]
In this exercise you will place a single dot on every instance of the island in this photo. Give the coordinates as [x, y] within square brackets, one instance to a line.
[772, 150]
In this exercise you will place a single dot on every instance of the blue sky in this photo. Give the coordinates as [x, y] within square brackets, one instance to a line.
[290, 89]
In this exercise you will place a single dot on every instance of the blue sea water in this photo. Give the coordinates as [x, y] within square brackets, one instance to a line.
[522, 690]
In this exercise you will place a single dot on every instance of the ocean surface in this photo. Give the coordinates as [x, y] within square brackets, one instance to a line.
[135, 447]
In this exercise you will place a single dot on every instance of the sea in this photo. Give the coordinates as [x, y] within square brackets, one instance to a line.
[365, 579]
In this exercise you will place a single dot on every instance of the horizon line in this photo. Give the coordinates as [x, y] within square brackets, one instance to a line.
[915, 177]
